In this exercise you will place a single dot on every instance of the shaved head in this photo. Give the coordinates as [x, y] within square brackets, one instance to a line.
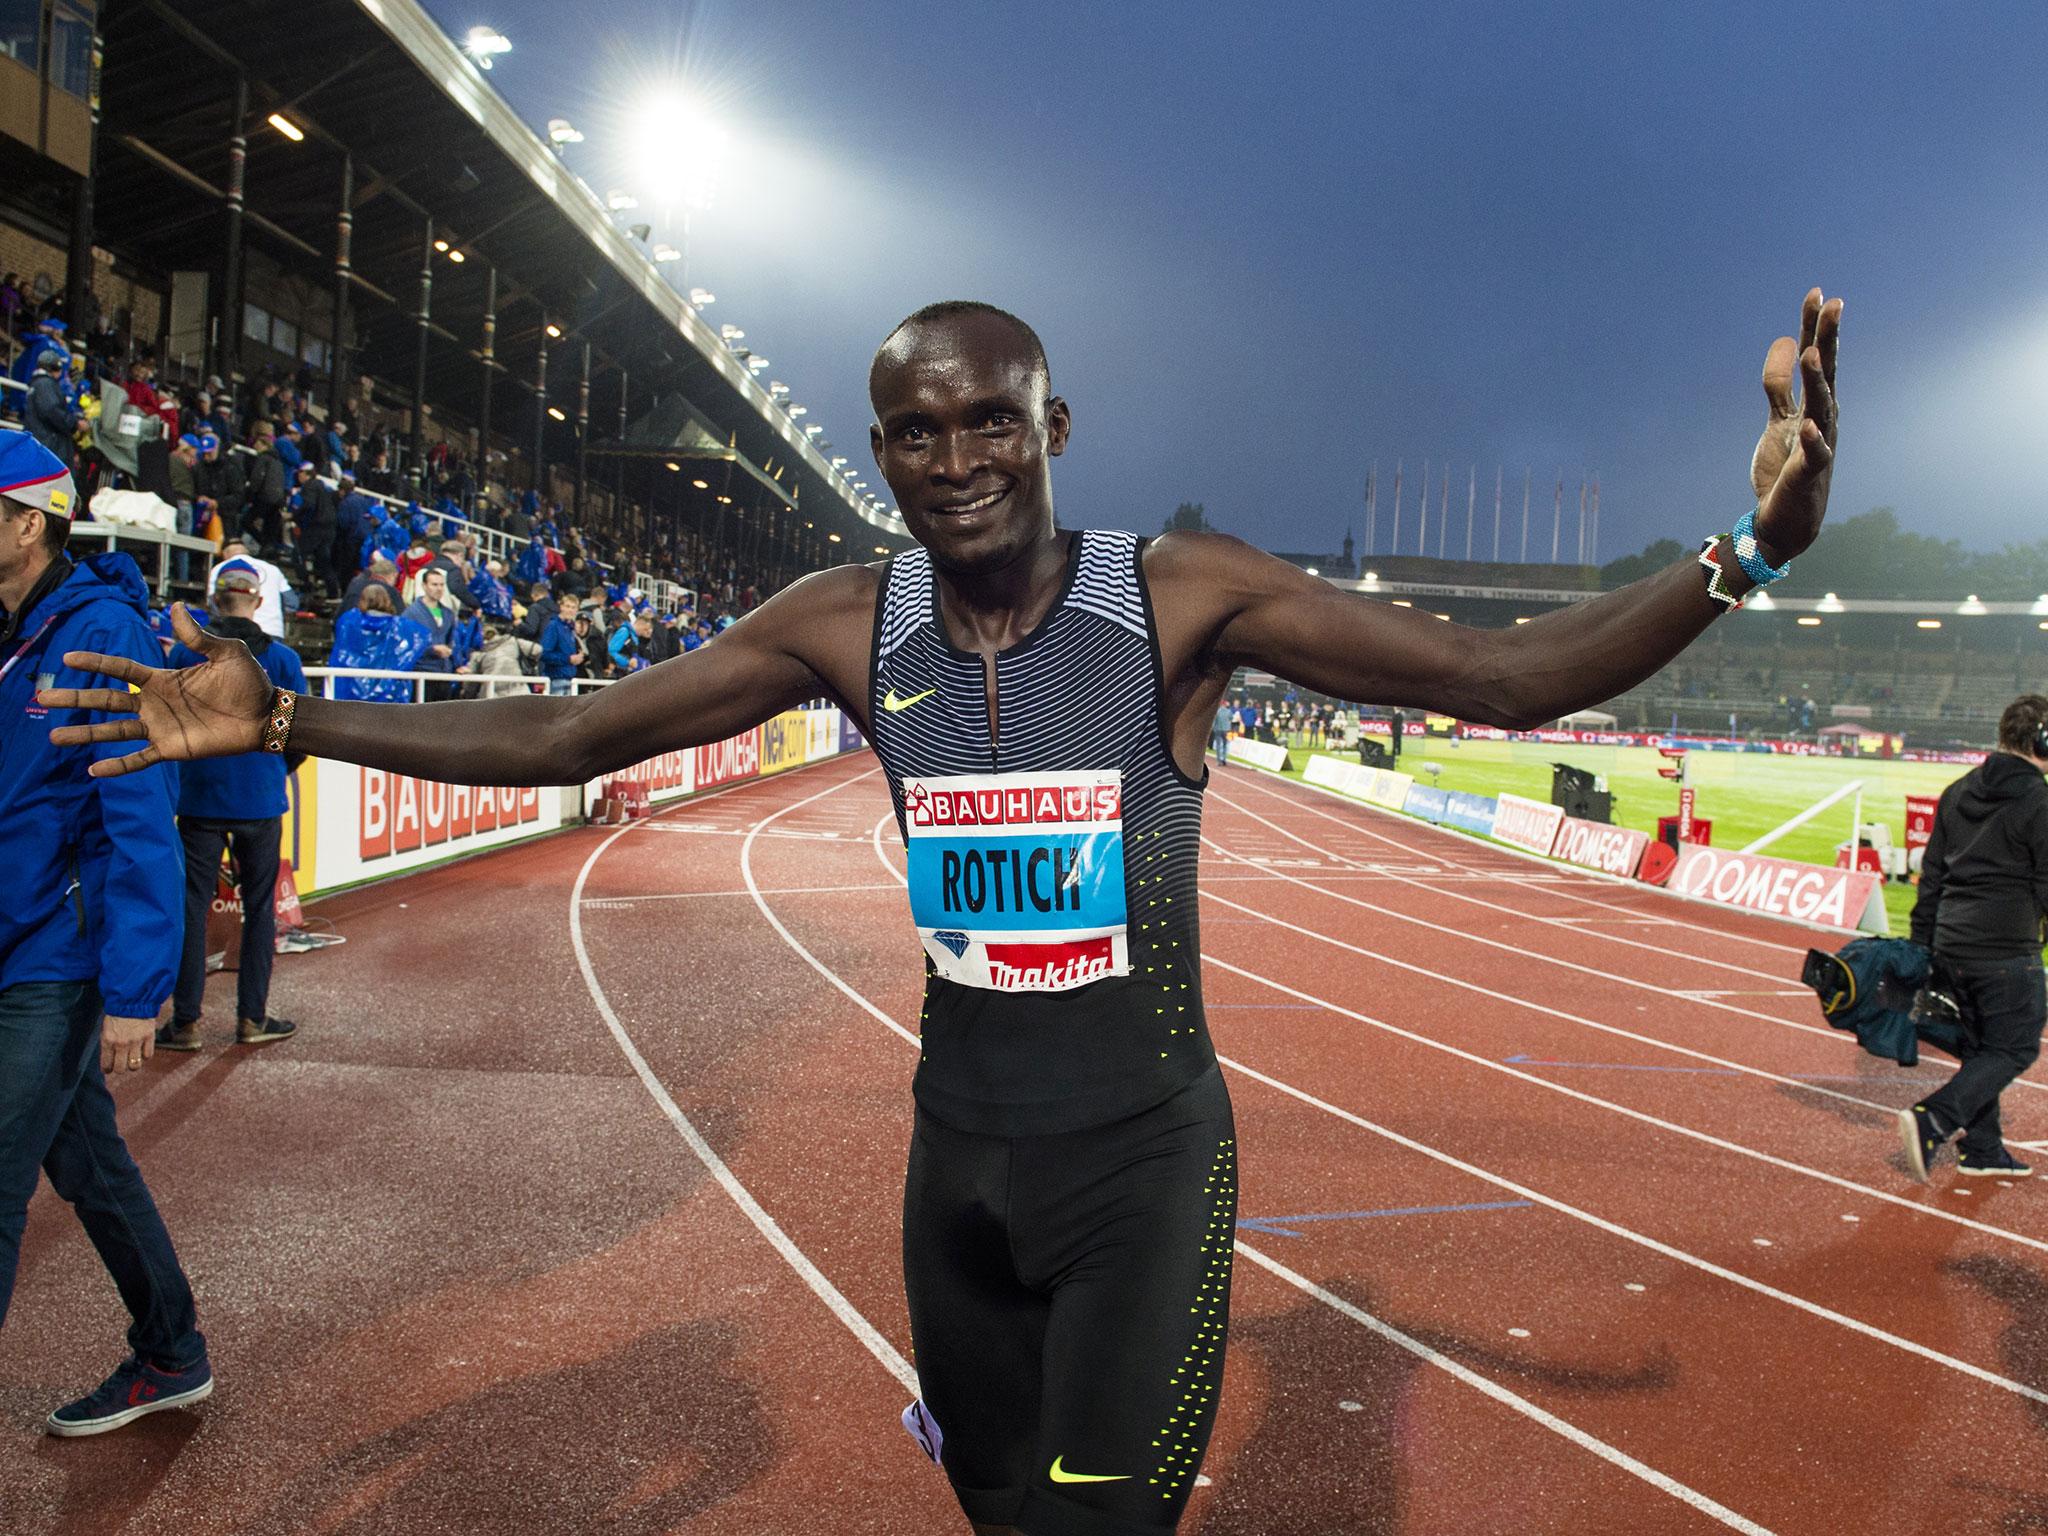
[963, 321]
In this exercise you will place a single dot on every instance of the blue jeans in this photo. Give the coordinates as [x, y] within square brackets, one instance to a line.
[254, 845]
[56, 1113]
[2003, 1004]
[1219, 743]
[562, 685]
[181, 560]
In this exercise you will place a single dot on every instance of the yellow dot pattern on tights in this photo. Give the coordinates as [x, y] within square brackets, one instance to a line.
[1180, 1442]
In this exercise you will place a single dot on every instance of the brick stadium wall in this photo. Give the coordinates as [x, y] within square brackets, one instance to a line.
[31, 256]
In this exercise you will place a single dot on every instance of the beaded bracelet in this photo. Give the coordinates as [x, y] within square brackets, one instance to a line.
[1717, 575]
[1750, 553]
[277, 725]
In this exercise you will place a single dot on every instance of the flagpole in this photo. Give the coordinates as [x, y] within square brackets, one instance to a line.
[1422, 528]
[1395, 542]
[1497, 473]
[1557, 518]
[1443, 514]
[1527, 473]
[1471, 503]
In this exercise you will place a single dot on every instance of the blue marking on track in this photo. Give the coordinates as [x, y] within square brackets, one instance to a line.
[1276, 1226]
[1632, 1066]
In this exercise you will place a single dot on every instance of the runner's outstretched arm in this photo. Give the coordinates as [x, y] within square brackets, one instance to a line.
[1245, 608]
[802, 642]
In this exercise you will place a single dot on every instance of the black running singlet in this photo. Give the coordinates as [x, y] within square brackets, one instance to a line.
[1052, 876]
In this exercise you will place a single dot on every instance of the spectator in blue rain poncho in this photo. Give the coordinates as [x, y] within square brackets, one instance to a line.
[532, 564]
[374, 636]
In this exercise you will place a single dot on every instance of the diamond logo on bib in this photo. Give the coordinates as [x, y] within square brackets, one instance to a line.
[1017, 879]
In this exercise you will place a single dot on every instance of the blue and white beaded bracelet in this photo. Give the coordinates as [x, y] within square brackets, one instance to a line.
[1751, 556]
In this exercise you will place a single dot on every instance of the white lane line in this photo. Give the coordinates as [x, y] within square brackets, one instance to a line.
[1520, 856]
[1802, 1084]
[615, 903]
[1500, 1394]
[1628, 1234]
[1643, 1116]
[1571, 1432]
[848, 1314]
[1838, 1037]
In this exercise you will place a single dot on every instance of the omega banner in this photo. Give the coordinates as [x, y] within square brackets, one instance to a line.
[1835, 898]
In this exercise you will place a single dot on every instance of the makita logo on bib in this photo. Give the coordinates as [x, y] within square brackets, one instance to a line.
[1049, 967]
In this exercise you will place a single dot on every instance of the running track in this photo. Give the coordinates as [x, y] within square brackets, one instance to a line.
[575, 1209]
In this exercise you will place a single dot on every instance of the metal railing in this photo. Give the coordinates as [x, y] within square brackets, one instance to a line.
[488, 685]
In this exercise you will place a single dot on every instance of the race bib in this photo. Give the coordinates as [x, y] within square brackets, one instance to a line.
[1017, 879]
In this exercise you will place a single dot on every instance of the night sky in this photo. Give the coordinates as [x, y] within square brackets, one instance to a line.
[1266, 245]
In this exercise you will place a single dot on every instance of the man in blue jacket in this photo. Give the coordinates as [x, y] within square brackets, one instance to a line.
[89, 937]
[433, 612]
[233, 803]
[561, 651]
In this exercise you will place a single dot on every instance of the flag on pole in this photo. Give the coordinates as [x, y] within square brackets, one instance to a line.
[1371, 504]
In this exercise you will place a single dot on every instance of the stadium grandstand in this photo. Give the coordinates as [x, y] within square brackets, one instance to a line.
[354, 244]
[1933, 670]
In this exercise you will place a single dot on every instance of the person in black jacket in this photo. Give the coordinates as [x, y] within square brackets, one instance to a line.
[319, 527]
[221, 480]
[1983, 900]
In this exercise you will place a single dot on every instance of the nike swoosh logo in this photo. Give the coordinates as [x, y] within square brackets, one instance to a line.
[892, 703]
[1061, 1475]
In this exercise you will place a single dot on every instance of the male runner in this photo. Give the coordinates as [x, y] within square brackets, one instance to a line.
[1040, 699]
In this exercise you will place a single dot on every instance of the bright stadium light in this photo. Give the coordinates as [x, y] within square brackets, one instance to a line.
[556, 412]
[673, 467]
[833, 537]
[679, 152]
[1808, 621]
[440, 245]
[756, 363]
[561, 131]
[1927, 623]
[457, 257]
[729, 332]
[1830, 604]
[287, 127]
[814, 430]
[702, 296]
[1971, 608]
[799, 410]
[554, 330]
[777, 390]
[1760, 602]
[619, 201]
[702, 485]
[667, 253]
[484, 44]
[839, 462]
[1313, 571]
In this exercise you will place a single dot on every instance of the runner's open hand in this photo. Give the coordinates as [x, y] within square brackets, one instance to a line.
[1795, 457]
[211, 710]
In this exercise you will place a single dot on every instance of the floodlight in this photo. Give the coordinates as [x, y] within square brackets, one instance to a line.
[1313, 571]
[674, 467]
[778, 390]
[678, 151]
[799, 410]
[561, 132]
[702, 296]
[1971, 608]
[667, 253]
[484, 43]
[813, 430]
[619, 201]
[731, 333]
[287, 127]
[554, 330]
[839, 462]
[702, 485]
[1760, 600]
[440, 245]
[556, 412]
[457, 257]
[1830, 604]
[757, 363]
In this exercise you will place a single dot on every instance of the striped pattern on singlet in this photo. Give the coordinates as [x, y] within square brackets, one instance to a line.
[1036, 1046]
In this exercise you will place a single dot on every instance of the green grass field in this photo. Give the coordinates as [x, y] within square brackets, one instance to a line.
[1744, 794]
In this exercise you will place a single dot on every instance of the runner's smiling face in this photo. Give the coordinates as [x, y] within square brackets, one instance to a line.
[965, 428]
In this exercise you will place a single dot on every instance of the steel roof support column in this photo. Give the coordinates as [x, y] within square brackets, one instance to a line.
[490, 357]
[582, 432]
[619, 466]
[228, 327]
[424, 320]
[344, 232]
[540, 416]
[78, 263]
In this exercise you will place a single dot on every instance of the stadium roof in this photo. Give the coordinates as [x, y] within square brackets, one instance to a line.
[378, 81]
[1373, 585]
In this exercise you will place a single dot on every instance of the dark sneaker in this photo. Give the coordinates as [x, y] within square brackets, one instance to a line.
[1991, 1165]
[1921, 1138]
[262, 1031]
[135, 1389]
[178, 1037]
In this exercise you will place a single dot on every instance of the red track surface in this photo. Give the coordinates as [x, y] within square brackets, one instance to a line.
[463, 1272]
